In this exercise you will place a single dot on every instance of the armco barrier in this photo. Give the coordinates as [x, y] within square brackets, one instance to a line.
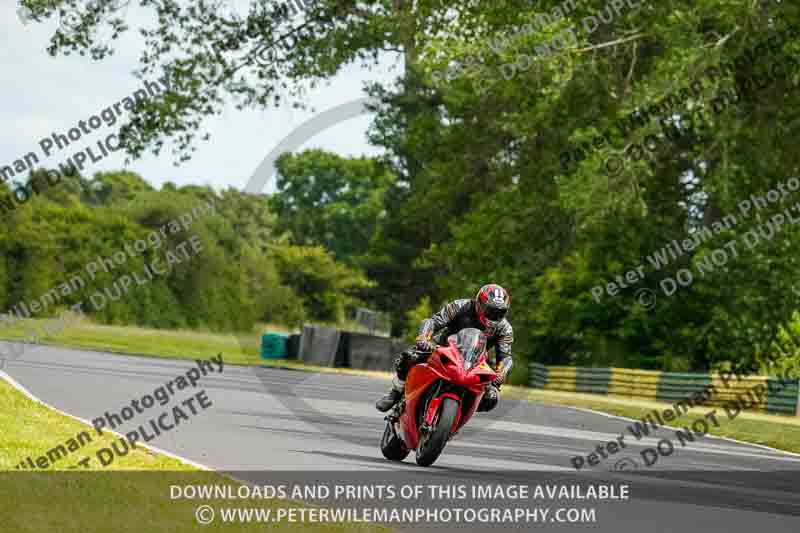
[778, 396]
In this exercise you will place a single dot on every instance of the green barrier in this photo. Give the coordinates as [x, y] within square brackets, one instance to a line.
[593, 380]
[783, 396]
[538, 375]
[677, 386]
[273, 346]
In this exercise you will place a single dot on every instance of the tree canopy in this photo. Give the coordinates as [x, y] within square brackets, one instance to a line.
[516, 156]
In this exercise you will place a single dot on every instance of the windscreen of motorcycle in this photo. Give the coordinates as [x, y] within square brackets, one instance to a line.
[471, 343]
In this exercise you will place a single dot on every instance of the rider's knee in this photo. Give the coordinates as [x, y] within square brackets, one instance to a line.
[402, 364]
[489, 401]
[399, 384]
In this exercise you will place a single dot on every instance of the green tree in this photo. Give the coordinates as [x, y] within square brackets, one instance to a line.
[328, 289]
[330, 200]
[112, 187]
[482, 192]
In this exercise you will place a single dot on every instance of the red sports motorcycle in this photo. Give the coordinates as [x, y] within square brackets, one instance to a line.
[441, 396]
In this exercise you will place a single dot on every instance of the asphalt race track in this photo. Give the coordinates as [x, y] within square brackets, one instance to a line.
[325, 425]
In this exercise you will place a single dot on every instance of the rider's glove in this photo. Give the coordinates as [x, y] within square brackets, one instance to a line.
[425, 345]
[502, 374]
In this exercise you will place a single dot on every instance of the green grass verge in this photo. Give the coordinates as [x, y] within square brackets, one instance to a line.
[130, 495]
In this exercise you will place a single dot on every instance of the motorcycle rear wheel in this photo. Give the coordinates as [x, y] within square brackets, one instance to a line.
[392, 446]
[432, 443]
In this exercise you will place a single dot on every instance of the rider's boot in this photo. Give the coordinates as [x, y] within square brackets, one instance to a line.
[392, 397]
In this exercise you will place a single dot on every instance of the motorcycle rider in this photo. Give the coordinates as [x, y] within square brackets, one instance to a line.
[485, 312]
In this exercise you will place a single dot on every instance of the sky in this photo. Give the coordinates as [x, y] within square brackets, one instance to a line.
[43, 94]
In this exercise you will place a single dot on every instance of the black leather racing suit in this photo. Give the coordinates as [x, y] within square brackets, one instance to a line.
[452, 318]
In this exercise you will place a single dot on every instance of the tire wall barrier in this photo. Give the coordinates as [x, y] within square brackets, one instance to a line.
[293, 346]
[319, 345]
[372, 353]
[755, 393]
[343, 349]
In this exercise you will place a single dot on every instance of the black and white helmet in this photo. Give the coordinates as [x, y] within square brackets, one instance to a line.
[492, 304]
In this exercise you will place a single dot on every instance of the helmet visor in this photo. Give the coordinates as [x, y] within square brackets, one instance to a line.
[495, 314]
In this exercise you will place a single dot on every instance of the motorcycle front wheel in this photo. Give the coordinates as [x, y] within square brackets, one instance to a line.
[432, 443]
